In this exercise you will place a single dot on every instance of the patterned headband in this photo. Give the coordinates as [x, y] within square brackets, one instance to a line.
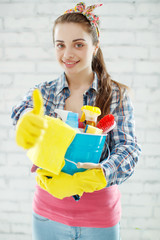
[87, 12]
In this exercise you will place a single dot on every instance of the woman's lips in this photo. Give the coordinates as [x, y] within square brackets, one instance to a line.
[70, 64]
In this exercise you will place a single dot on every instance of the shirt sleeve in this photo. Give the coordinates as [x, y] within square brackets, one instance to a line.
[124, 150]
[26, 104]
[22, 107]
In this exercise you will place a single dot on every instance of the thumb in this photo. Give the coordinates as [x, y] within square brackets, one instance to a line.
[37, 102]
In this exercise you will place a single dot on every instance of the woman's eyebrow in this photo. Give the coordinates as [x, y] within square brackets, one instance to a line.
[59, 41]
[78, 39]
[75, 40]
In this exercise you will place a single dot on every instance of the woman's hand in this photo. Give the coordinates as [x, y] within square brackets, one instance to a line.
[65, 185]
[32, 124]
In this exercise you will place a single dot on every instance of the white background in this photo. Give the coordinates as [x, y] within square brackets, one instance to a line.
[130, 39]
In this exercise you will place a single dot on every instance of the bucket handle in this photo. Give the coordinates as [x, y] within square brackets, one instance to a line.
[89, 165]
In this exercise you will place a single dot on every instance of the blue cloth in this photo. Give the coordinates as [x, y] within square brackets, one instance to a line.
[45, 229]
[124, 150]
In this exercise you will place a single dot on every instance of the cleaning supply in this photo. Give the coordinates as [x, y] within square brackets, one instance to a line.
[84, 148]
[93, 130]
[107, 123]
[66, 185]
[72, 119]
[30, 127]
[90, 165]
[49, 149]
[62, 114]
[90, 115]
[68, 117]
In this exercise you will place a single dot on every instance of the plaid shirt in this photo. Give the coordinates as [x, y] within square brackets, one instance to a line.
[122, 143]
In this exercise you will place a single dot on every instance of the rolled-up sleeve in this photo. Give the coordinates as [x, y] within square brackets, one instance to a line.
[122, 142]
[27, 103]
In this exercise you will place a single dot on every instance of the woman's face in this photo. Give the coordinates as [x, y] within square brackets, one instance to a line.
[74, 48]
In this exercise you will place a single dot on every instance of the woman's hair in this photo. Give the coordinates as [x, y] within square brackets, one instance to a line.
[104, 94]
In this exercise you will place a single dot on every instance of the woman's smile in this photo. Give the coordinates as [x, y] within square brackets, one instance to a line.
[70, 64]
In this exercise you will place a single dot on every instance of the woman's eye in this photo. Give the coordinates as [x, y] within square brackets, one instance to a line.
[60, 45]
[79, 45]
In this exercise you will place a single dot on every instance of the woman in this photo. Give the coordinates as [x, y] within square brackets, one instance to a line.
[85, 81]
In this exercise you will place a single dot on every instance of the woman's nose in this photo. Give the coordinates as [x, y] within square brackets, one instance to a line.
[68, 53]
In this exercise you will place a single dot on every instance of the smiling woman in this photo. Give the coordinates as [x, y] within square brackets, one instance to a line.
[85, 81]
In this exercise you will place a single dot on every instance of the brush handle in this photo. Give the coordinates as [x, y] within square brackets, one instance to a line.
[109, 129]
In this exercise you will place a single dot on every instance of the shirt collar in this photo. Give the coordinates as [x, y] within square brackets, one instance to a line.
[62, 83]
[95, 83]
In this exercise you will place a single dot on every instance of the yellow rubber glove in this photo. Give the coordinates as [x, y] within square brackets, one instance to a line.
[32, 124]
[49, 152]
[65, 185]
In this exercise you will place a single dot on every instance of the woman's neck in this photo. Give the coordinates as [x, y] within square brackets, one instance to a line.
[81, 80]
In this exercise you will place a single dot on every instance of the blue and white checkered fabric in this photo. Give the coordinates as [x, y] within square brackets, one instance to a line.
[124, 150]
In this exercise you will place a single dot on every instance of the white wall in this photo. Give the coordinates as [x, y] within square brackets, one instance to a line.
[130, 39]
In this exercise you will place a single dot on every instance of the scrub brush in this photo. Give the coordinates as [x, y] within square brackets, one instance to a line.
[106, 123]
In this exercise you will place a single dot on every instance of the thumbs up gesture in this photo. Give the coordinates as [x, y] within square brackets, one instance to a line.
[31, 125]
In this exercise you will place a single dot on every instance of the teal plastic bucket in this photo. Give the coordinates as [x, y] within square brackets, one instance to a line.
[84, 148]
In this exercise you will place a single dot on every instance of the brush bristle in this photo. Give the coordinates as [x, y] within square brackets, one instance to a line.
[106, 122]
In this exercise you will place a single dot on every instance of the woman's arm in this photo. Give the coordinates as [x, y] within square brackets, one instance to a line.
[26, 104]
[124, 150]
